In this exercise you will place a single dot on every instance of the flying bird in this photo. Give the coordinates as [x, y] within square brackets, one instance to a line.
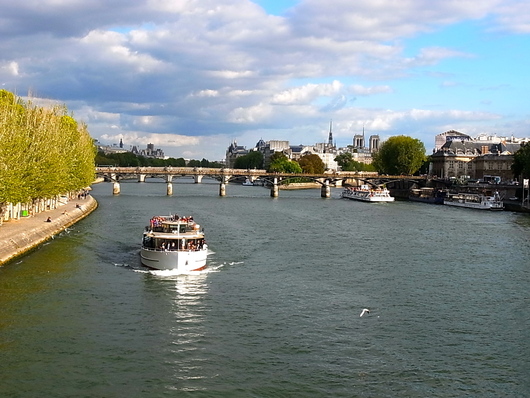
[365, 311]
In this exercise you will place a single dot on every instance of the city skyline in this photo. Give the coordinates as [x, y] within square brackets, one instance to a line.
[192, 77]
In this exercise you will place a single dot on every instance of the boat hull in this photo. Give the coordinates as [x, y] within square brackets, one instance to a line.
[477, 206]
[369, 198]
[182, 261]
[367, 194]
[474, 201]
[432, 200]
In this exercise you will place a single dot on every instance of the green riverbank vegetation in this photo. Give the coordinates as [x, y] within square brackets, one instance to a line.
[44, 154]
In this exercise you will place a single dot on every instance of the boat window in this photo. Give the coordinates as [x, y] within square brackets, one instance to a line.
[148, 242]
[173, 228]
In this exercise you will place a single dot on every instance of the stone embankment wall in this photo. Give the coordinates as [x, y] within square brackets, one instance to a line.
[300, 185]
[19, 237]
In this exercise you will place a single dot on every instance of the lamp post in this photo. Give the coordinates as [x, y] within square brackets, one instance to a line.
[525, 186]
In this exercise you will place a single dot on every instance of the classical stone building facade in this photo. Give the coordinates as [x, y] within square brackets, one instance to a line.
[233, 152]
[461, 156]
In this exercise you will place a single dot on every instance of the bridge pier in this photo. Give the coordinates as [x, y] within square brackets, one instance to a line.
[222, 187]
[141, 177]
[325, 190]
[169, 189]
[198, 179]
[116, 188]
[275, 189]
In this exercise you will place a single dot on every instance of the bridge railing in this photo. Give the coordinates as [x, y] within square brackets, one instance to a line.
[225, 171]
[226, 174]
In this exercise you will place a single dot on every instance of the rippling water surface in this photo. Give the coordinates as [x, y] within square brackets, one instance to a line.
[277, 313]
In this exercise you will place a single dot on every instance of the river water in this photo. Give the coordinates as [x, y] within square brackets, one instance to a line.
[277, 313]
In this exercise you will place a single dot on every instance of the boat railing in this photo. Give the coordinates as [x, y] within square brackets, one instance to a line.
[175, 249]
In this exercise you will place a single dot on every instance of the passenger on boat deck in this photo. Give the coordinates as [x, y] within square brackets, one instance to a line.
[156, 221]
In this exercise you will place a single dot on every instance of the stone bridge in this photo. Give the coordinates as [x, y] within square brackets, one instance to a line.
[225, 175]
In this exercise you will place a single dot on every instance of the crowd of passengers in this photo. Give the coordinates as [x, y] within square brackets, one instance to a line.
[360, 189]
[158, 220]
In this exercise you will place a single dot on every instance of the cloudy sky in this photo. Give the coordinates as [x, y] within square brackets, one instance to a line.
[191, 76]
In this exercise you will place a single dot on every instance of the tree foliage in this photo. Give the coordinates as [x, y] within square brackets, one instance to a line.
[400, 155]
[280, 163]
[346, 163]
[312, 164]
[43, 152]
[129, 159]
[521, 161]
[253, 160]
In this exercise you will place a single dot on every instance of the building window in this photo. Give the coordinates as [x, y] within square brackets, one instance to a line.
[460, 165]
[451, 164]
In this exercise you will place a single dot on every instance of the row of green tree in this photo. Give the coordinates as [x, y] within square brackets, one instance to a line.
[129, 159]
[44, 152]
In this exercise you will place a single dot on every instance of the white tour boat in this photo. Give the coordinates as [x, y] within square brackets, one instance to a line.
[248, 183]
[474, 201]
[173, 242]
[367, 194]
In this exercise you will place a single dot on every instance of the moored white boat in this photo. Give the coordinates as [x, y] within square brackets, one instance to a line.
[474, 201]
[174, 243]
[248, 183]
[367, 194]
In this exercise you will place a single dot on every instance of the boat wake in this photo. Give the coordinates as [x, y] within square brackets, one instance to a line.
[175, 272]
[123, 265]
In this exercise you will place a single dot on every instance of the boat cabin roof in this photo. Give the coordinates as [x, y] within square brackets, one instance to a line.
[174, 225]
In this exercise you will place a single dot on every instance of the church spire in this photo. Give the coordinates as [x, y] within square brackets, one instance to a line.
[330, 139]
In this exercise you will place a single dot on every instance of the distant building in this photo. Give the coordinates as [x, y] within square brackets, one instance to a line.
[462, 156]
[233, 152]
[360, 153]
[374, 144]
[451, 135]
[327, 151]
[111, 149]
[149, 152]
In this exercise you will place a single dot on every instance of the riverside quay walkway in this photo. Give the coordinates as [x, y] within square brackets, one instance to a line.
[225, 175]
[20, 235]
